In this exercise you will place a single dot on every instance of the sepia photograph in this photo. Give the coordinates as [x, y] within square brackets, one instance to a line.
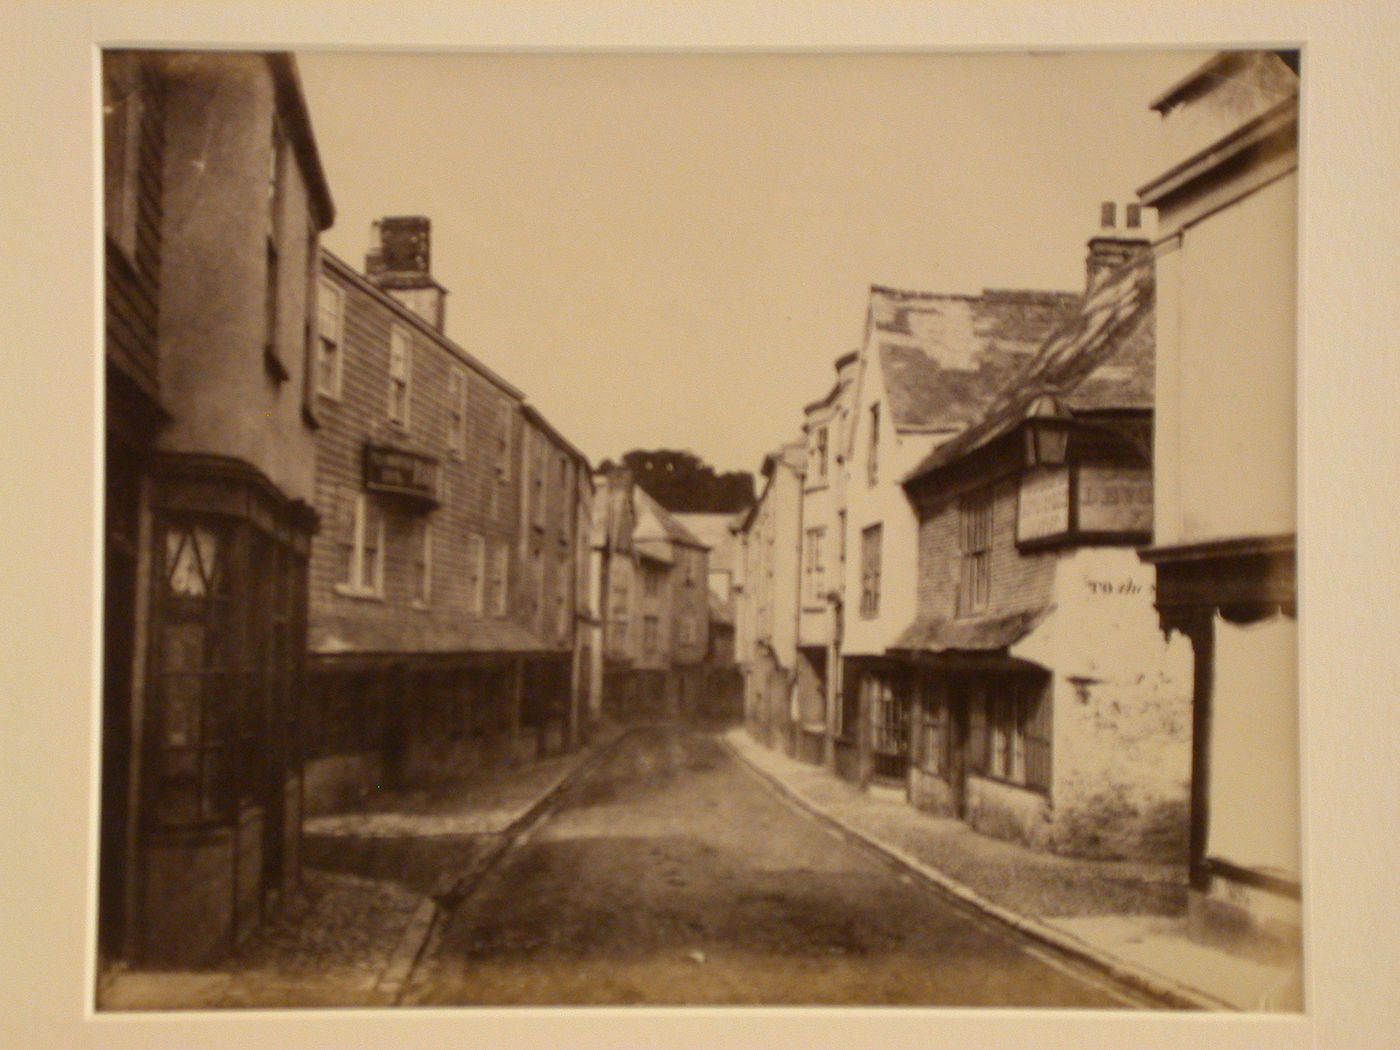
[699, 529]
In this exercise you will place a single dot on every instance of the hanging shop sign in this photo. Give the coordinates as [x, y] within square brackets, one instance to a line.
[1115, 499]
[399, 472]
[1084, 501]
[1043, 508]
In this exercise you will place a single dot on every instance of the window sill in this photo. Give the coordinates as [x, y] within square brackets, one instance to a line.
[346, 590]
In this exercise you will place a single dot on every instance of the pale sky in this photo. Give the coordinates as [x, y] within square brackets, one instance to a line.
[670, 250]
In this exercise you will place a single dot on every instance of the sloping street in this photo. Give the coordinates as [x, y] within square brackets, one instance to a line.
[669, 874]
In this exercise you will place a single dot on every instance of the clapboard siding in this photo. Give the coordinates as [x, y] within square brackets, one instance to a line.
[475, 499]
[132, 281]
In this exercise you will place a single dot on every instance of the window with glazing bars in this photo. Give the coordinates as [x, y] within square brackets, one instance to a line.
[889, 742]
[870, 540]
[975, 548]
[400, 375]
[1017, 738]
[932, 726]
[330, 322]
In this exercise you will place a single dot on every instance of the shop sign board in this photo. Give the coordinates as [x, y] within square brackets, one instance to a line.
[400, 472]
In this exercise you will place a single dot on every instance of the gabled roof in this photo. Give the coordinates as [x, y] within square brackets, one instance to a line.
[1101, 359]
[655, 522]
[714, 531]
[943, 357]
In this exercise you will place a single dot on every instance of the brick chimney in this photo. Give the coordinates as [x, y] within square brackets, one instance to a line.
[1124, 233]
[398, 262]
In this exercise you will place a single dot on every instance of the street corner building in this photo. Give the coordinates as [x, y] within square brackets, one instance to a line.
[651, 578]
[1039, 700]
[928, 365]
[1224, 542]
[448, 583]
[214, 201]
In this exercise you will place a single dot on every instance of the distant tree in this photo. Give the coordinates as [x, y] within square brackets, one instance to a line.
[684, 484]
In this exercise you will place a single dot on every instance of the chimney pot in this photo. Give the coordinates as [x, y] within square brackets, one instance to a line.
[1113, 245]
[398, 262]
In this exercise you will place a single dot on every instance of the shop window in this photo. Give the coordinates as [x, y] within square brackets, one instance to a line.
[1015, 738]
[400, 375]
[889, 740]
[227, 616]
[197, 677]
[870, 542]
[330, 309]
[476, 575]
[975, 551]
[932, 728]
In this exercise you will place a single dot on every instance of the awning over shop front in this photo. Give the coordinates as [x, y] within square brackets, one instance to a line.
[971, 639]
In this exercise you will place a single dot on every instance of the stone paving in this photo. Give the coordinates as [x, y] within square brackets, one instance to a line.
[1124, 912]
[366, 873]
[326, 948]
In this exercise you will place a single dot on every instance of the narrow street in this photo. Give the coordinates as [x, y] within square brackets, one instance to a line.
[669, 874]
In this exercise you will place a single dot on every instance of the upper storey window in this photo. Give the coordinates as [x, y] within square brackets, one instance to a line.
[872, 458]
[400, 375]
